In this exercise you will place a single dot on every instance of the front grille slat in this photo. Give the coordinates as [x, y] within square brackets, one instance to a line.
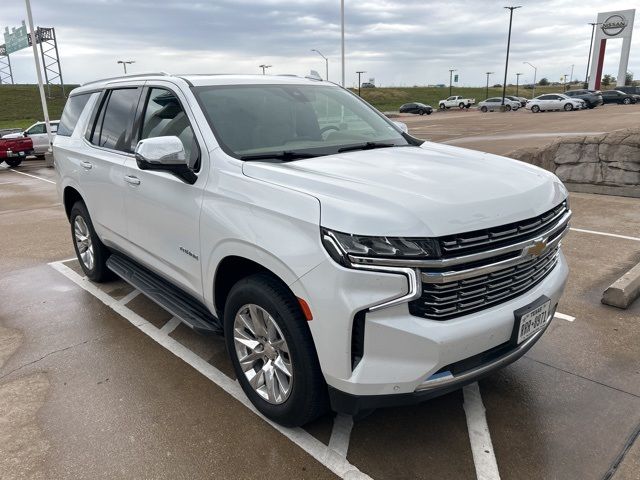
[444, 301]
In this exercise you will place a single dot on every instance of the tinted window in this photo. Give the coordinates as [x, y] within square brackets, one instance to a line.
[40, 128]
[164, 116]
[72, 110]
[115, 119]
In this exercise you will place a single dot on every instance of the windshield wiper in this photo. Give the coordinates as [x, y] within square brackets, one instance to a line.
[368, 146]
[285, 156]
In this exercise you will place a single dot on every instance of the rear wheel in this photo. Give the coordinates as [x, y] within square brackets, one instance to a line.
[13, 162]
[91, 252]
[272, 351]
[461, 106]
[535, 109]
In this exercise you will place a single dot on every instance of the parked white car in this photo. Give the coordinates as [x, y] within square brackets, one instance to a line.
[38, 135]
[495, 103]
[456, 101]
[346, 262]
[555, 101]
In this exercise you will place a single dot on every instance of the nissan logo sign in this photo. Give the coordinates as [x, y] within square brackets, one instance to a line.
[614, 25]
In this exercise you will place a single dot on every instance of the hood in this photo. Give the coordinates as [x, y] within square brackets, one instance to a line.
[431, 190]
[13, 135]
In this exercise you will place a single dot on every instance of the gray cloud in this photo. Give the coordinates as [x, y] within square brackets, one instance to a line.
[397, 42]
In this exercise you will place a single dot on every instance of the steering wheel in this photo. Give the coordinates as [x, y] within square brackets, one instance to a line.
[324, 130]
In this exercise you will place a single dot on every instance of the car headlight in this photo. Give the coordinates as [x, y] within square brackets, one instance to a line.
[341, 245]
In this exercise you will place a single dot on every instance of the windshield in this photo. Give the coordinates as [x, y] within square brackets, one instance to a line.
[257, 120]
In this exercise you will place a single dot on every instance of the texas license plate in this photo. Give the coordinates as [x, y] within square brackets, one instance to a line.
[531, 319]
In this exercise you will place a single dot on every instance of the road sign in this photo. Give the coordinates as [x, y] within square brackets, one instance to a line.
[17, 39]
[455, 78]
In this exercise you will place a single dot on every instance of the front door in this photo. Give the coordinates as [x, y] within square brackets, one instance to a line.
[163, 211]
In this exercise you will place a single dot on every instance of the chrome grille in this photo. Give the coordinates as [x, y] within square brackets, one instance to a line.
[447, 300]
[479, 240]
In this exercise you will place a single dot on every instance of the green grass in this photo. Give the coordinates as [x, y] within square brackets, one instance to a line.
[389, 99]
[20, 105]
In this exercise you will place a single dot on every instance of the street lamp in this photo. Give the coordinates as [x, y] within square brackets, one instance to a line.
[326, 62]
[487, 94]
[564, 82]
[506, 65]
[451, 70]
[518, 82]
[359, 72]
[264, 68]
[593, 30]
[342, 36]
[535, 73]
[125, 63]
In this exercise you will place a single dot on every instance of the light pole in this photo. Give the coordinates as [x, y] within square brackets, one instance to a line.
[264, 68]
[564, 82]
[571, 76]
[451, 70]
[535, 74]
[125, 63]
[506, 64]
[517, 82]
[326, 62]
[487, 94]
[593, 30]
[342, 36]
[359, 72]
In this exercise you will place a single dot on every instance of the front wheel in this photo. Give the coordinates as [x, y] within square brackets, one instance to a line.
[13, 162]
[626, 101]
[422, 112]
[91, 252]
[272, 351]
[568, 107]
[441, 106]
[484, 109]
[507, 108]
[535, 109]
[429, 112]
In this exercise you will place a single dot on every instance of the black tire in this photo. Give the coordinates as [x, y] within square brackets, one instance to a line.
[441, 106]
[13, 162]
[535, 109]
[429, 112]
[484, 109]
[626, 101]
[568, 107]
[98, 272]
[507, 108]
[461, 106]
[422, 112]
[308, 398]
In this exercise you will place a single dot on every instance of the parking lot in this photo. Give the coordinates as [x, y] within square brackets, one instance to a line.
[99, 382]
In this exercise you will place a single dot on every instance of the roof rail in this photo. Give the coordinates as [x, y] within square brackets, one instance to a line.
[149, 74]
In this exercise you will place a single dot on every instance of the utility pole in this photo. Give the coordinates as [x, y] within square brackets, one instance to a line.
[593, 30]
[517, 82]
[342, 36]
[326, 62]
[571, 76]
[359, 72]
[535, 74]
[506, 65]
[451, 70]
[125, 63]
[564, 82]
[487, 94]
[43, 100]
[264, 68]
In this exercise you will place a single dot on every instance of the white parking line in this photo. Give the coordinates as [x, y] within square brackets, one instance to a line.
[594, 232]
[341, 434]
[170, 326]
[563, 316]
[32, 176]
[127, 298]
[479, 436]
[335, 462]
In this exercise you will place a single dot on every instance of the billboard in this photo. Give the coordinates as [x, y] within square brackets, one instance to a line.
[17, 39]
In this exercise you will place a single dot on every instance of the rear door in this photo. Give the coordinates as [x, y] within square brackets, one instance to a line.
[102, 164]
[163, 211]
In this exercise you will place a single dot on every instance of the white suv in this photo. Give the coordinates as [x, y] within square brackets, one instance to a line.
[346, 262]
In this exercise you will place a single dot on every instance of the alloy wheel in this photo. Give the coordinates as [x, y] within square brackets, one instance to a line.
[263, 353]
[83, 241]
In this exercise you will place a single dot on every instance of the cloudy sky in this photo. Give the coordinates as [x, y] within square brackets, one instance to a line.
[397, 42]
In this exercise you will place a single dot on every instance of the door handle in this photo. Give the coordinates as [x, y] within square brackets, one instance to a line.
[132, 180]
[86, 165]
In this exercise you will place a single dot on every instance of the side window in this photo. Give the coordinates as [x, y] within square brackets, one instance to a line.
[36, 129]
[72, 111]
[164, 116]
[115, 118]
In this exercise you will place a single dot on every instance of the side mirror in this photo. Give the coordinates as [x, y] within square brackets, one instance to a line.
[402, 126]
[25, 134]
[166, 154]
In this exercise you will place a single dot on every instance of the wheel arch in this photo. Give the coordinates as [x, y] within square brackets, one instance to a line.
[70, 196]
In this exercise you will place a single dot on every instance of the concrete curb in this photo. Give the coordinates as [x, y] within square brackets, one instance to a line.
[624, 290]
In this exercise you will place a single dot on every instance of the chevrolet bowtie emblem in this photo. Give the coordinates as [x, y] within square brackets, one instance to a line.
[536, 249]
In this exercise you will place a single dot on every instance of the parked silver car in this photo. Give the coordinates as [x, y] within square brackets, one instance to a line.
[555, 101]
[494, 103]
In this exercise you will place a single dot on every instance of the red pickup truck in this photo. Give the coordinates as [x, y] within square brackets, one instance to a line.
[14, 150]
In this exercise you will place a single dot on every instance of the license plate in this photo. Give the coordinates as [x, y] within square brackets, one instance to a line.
[531, 319]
